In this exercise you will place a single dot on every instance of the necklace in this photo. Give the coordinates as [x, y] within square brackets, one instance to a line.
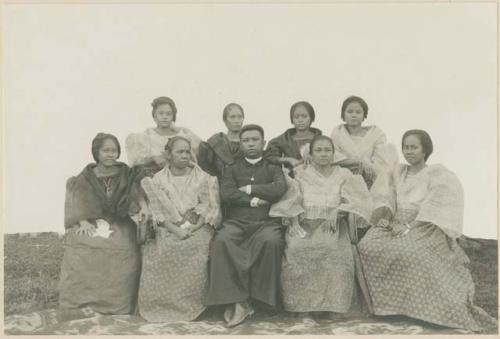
[107, 185]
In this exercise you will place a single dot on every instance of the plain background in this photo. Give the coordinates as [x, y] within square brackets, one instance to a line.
[71, 71]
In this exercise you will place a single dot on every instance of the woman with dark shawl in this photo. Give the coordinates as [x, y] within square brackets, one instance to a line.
[100, 267]
[290, 148]
[411, 260]
[223, 149]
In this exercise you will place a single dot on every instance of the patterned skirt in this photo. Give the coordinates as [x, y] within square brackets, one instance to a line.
[423, 274]
[174, 277]
[318, 270]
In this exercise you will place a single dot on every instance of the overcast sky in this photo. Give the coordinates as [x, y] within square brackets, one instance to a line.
[71, 71]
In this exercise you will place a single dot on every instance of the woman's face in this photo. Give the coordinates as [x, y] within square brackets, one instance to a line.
[300, 118]
[164, 115]
[180, 155]
[234, 119]
[354, 114]
[322, 153]
[108, 153]
[413, 150]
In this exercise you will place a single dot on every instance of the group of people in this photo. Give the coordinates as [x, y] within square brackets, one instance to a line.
[310, 223]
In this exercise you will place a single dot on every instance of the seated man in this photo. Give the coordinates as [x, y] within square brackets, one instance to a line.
[245, 254]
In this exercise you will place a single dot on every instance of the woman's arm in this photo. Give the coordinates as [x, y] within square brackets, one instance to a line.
[352, 164]
[404, 228]
[275, 155]
[295, 230]
[273, 152]
[195, 227]
[180, 233]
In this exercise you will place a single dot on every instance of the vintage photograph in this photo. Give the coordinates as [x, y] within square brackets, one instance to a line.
[249, 169]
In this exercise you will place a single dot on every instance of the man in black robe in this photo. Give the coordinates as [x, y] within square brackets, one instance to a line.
[245, 254]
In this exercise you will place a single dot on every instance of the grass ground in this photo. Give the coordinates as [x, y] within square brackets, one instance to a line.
[32, 264]
[31, 272]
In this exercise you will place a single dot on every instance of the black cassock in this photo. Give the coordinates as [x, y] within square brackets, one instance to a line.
[245, 254]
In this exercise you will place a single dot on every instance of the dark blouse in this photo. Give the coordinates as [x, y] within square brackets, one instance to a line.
[217, 153]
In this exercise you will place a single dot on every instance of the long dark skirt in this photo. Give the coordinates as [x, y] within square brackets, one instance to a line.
[101, 273]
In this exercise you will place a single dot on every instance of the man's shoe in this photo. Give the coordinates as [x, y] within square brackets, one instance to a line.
[229, 313]
[240, 314]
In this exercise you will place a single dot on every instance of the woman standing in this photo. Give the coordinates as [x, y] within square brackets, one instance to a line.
[411, 259]
[222, 149]
[362, 149]
[290, 148]
[147, 149]
[318, 271]
[184, 203]
[100, 268]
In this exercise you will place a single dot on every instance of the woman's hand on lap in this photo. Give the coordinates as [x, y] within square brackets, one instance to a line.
[399, 229]
[86, 228]
[384, 223]
[182, 233]
[295, 230]
[329, 228]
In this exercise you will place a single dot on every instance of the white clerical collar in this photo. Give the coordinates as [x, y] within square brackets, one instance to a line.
[253, 161]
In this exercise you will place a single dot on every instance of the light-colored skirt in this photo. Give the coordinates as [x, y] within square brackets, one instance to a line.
[423, 274]
[174, 276]
[318, 270]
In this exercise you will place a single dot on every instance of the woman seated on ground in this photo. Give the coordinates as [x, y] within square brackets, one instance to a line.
[147, 149]
[222, 149]
[290, 147]
[100, 267]
[184, 203]
[318, 272]
[411, 260]
[362, 149]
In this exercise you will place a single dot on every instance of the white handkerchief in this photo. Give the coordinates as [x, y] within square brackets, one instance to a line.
[103, 229]
[186, 225]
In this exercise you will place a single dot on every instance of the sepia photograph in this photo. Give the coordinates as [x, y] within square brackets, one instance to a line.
[250, 169]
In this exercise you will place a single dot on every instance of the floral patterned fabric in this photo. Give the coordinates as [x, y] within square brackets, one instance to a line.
[174, 277]
[318, 271]
[174, 272]
[423, 274]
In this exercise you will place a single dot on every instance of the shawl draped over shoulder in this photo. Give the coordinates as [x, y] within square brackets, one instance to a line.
[150, 143]
[200, 194]
[436, 193]
[86, 198]
[215, 154]
[372, 148]
[316, 197]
